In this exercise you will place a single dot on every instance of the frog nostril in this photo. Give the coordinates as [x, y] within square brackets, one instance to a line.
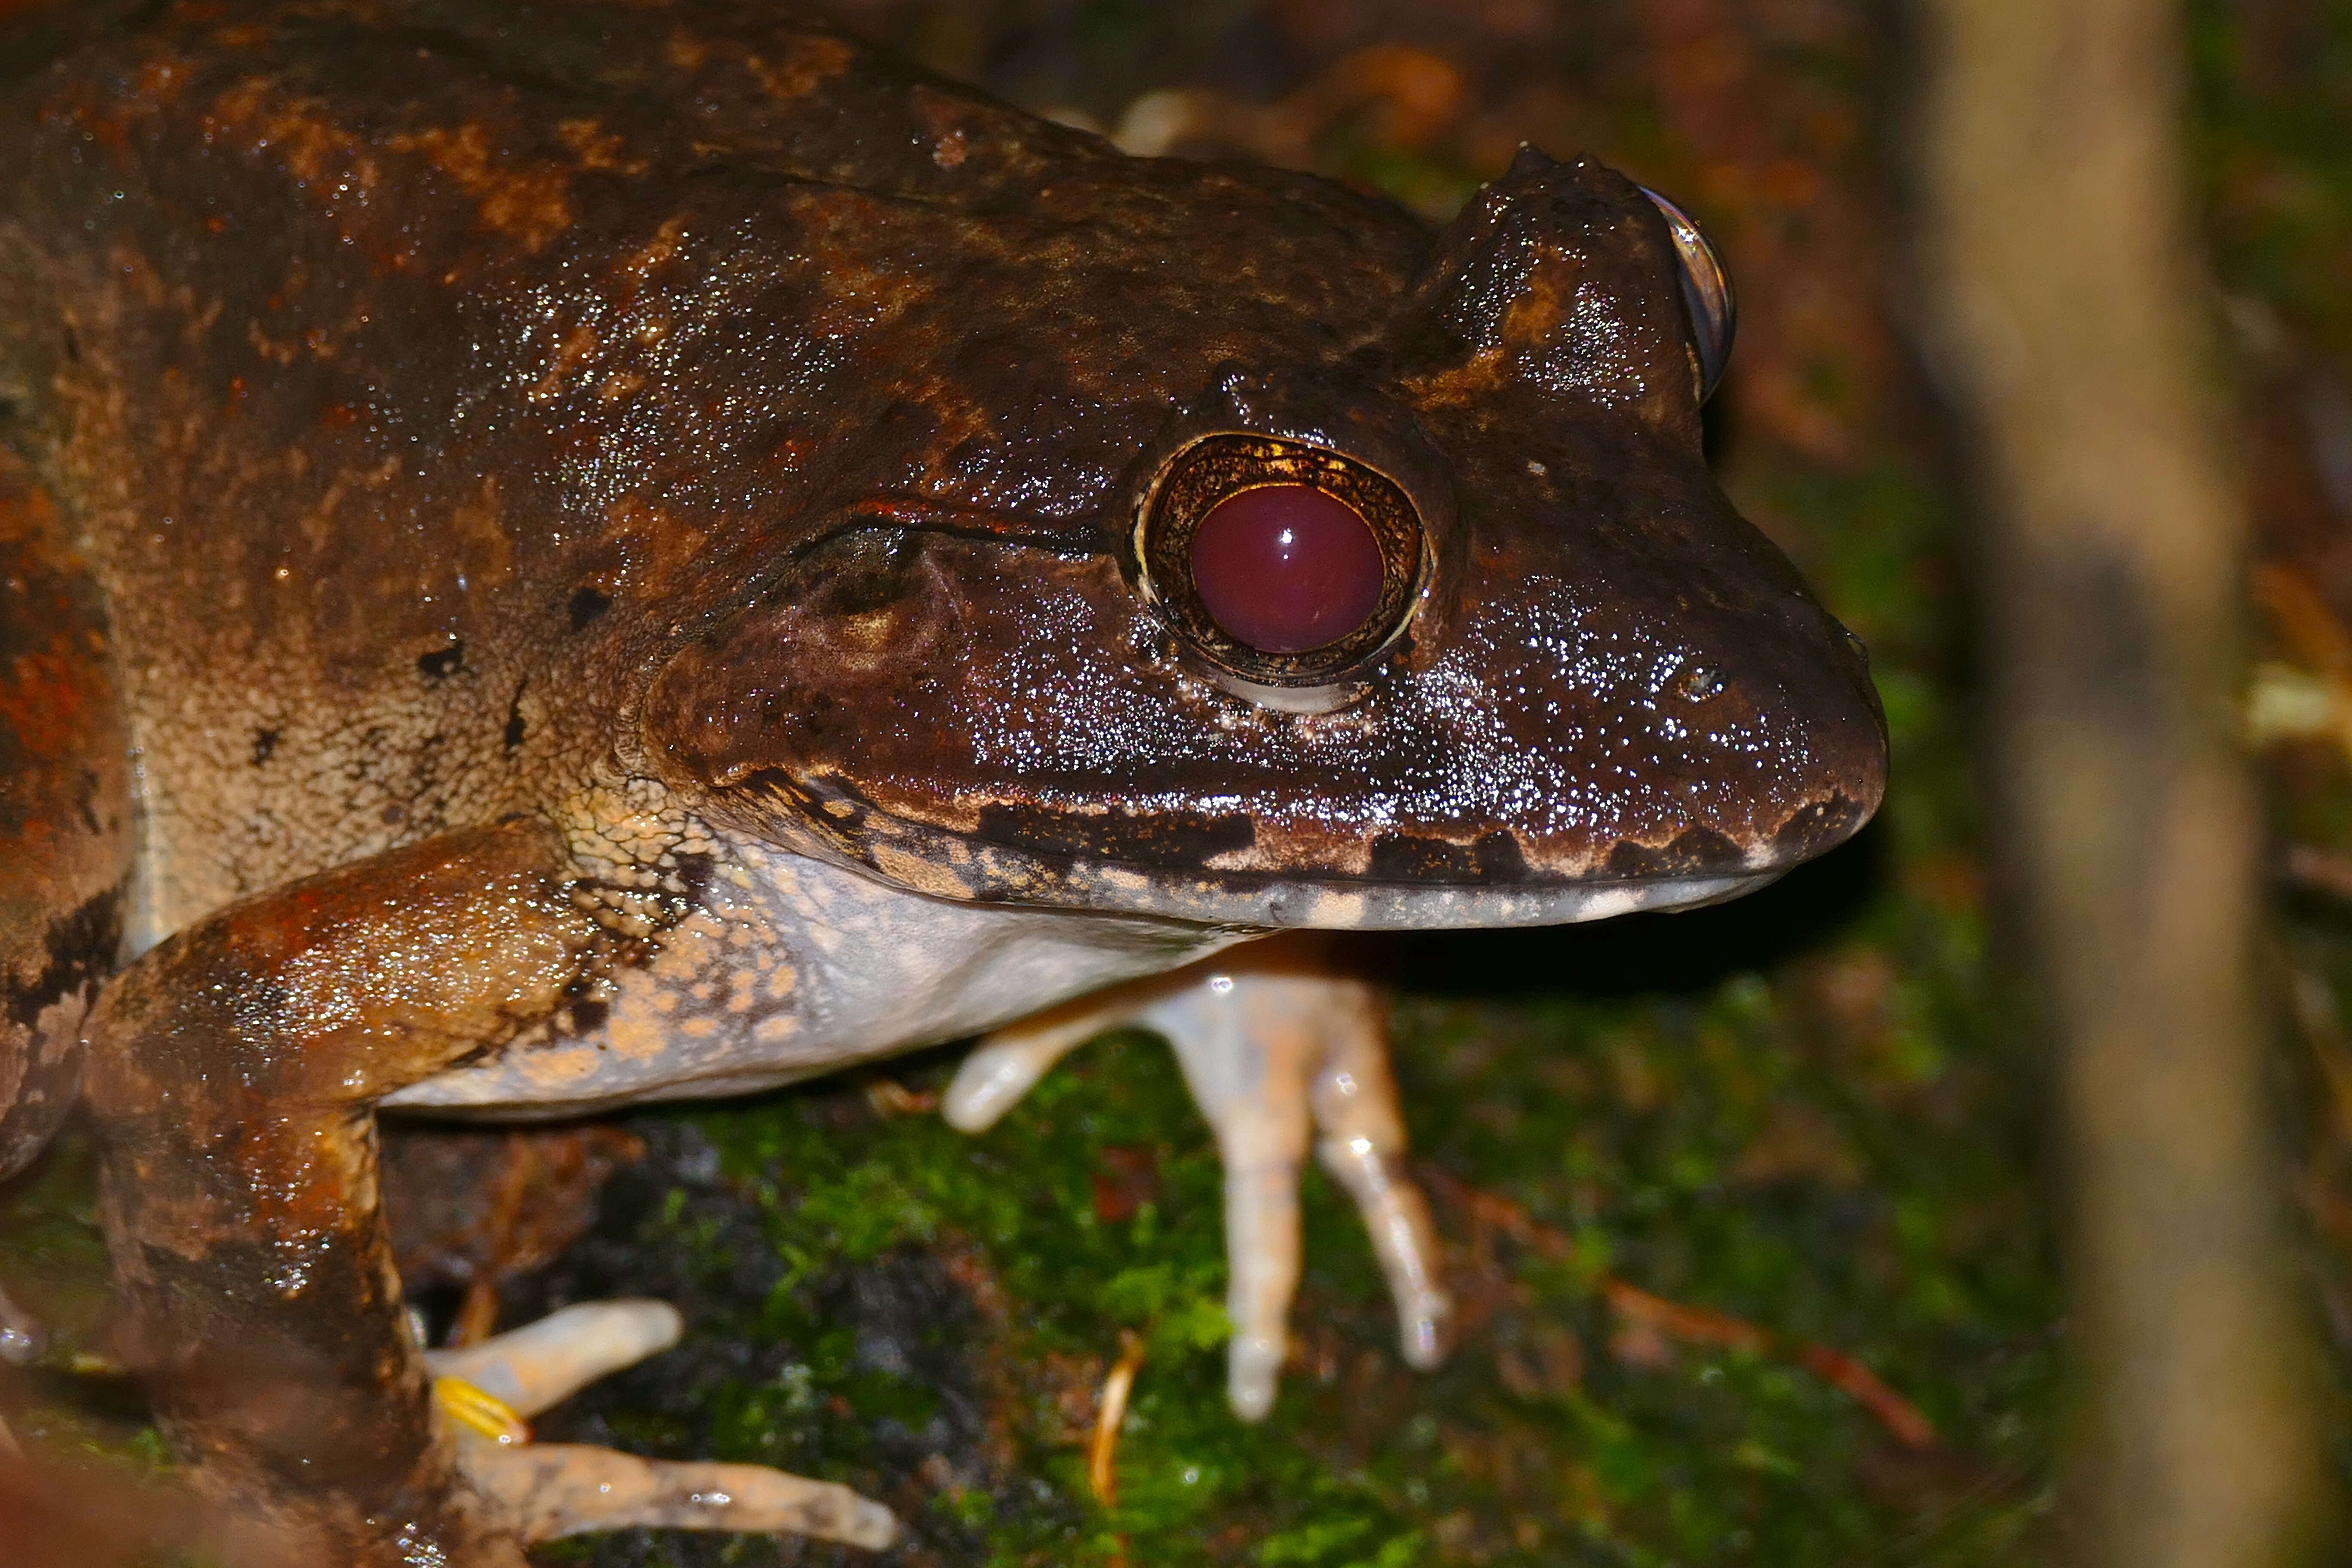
[1286, 568]
[1699, 682]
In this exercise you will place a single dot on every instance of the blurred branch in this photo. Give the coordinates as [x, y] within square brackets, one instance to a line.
[2320, 870]
[2066, 323]
[1692, 1325]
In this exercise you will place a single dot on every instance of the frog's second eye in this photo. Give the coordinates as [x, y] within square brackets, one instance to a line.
[1287, 564]
[1706, 292]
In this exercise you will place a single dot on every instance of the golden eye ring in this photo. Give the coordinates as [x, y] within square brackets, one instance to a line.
[1284, 564]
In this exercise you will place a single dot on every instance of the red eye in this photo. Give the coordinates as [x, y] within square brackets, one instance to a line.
[1281, 563]
[1286, 568]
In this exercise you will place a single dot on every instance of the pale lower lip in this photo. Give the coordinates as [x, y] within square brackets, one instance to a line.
[1388, 906]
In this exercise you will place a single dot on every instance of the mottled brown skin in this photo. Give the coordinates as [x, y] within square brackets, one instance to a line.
[64, 813]
[427, 425]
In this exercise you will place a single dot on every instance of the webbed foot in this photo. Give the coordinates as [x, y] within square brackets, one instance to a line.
[1272, 1041]
[484, 1392]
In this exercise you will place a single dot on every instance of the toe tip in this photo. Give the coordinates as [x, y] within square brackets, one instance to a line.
[873, 1526]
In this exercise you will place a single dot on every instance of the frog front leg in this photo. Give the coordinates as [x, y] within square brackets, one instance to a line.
[1279, 1047]
[234, 1075]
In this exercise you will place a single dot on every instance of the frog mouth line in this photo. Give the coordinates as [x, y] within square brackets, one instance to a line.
[978, 868]
[974, 869]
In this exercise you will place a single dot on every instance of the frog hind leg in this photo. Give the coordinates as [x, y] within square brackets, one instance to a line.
[1280, 1049]
[65, 840]
[233, 1078]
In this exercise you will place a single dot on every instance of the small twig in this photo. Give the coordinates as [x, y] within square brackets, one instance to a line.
[1692, 1325]
[2313, 1004]
[888, 1097]
[1110, 1413]
[1697, 1325]
[478, 1314]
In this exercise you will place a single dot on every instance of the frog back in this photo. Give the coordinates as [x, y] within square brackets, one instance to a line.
[419, 378]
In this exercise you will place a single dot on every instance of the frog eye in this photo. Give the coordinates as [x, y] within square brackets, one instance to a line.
[1286, 568]
[1706, 292]
[1286, 564]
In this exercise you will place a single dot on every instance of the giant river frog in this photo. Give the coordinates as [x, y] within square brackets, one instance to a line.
[563, 554]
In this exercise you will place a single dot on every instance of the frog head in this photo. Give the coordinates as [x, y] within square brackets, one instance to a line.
[1249, 553]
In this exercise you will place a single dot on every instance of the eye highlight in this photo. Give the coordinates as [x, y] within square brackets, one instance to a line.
[1706, 292]
[1286, 564]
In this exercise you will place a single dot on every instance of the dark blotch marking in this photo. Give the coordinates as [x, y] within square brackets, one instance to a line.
[1175, 838]
[85, 788]
[265, 746]
[587, 603]
[1410, 858]
[515, 727]
[1695, 851]
[694, 874]
[813, 710]
[587, 1016]
[441, 665]
[79, 948]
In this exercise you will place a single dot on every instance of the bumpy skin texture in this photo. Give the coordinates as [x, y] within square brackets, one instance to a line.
[539, 472]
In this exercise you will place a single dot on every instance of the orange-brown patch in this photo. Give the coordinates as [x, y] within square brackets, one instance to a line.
[652, 544]
[159, 82]
[943, 119]
[43, 702]
[530, 201]
[598, 150]
[812, 62]
[486, 554]
[570, 355]
[657, 252]
[310, 146]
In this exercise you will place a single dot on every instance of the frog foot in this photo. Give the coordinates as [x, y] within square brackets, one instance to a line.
[484, 1393]
[1273, 1042]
